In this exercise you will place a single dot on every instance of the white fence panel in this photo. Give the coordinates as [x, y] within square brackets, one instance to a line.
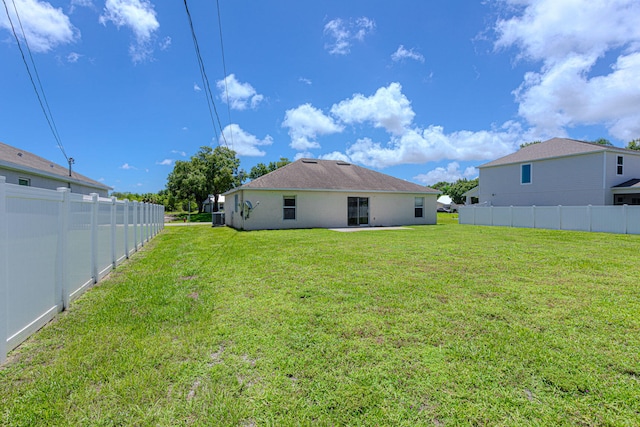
[522, 217]
[54, 244]
[633, 219]
[32, 237]
[605, 219]
[547, 217]
[576, 218]
[608, 219]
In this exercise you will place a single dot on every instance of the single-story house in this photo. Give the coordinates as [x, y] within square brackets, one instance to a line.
[24, 168]
[445, 204]
[562, 171]
[207, 206]
[310, 193]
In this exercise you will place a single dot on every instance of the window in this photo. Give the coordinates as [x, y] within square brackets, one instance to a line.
[289, 207]
[620, 164]
[419, 207]
[525, 174]
[24, 181]
[235, 199]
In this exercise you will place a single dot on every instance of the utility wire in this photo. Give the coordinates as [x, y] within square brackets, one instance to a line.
[224, 69]
[205, 79]
[48, 116]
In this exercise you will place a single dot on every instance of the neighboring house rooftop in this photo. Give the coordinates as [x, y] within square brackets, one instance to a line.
[312, 174]
[555, 147]
[632, 183]
[21, 160]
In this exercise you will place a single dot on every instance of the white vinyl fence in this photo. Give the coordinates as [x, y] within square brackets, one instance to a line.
[54, 245]
[606, 219]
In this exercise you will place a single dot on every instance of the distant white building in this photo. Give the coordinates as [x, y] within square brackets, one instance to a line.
[24, 168]
[310, 193]
[562, 171]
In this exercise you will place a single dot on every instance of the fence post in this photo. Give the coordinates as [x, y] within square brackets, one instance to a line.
[63, 247]
[559, 217]
[126, 228]
[589, 217]
[624, 218]
[135, 225]
[511, 216]
[113, 232]
[533, 213]
[94, 236]
[4, 269]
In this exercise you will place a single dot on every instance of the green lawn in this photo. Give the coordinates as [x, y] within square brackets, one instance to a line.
[437, 325]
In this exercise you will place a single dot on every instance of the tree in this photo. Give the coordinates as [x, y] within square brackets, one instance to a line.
[210, 171]
[261, 169]
[526, 144]
[634, 144]
[460, 187]
[602, 141]
[442, 186]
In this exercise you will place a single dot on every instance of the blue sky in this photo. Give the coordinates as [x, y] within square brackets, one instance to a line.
[421, 90]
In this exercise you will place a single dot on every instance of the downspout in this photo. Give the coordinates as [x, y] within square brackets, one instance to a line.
[604, 176]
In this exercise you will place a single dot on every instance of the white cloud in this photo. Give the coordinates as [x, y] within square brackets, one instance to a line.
[388, 108]
[73, 57]
[432, 144]
[305, 80]
[165, 162]
[140, 17]
[343, 33]
[80, 3]
[569, 38]
[181, 153]
[196, 88]
[45, 27]
[402, 54]
[165, 43]
[244, 143]
[335, 155]
[305, 123]
[451, 173]
[127, 167]
[241, 95]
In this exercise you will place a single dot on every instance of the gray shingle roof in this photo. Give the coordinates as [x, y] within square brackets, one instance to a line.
[632, 183]
[312, 174]
[555, 147]
[15, 158]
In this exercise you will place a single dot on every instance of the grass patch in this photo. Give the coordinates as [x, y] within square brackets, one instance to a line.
[437, 325]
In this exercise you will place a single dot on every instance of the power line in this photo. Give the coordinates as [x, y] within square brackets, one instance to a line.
[205, 79]
[47, 112]
[224, 69]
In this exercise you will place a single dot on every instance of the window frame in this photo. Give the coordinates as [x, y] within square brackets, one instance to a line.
[619, 165]
[418, 204]
[26, 182]
[530, 173]
[289, 208]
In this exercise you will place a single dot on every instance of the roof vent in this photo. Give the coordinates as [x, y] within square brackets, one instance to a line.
[341, 163]
[309, 161]
[19, 154]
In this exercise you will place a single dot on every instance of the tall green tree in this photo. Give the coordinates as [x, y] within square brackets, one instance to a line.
[210, 171]
[634, 144]
[602, 141]
[526, 144]
[460, 187]
[261, 169]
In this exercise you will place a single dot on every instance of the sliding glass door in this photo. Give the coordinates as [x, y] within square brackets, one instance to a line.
[358, 211]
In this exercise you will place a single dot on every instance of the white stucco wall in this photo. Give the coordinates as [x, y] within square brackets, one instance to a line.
[568, 181]
[325, 209]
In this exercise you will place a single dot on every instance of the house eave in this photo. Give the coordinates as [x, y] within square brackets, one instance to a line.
[38, 172]
[333, 190]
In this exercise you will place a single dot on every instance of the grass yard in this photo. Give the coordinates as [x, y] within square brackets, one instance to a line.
[438, 325]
